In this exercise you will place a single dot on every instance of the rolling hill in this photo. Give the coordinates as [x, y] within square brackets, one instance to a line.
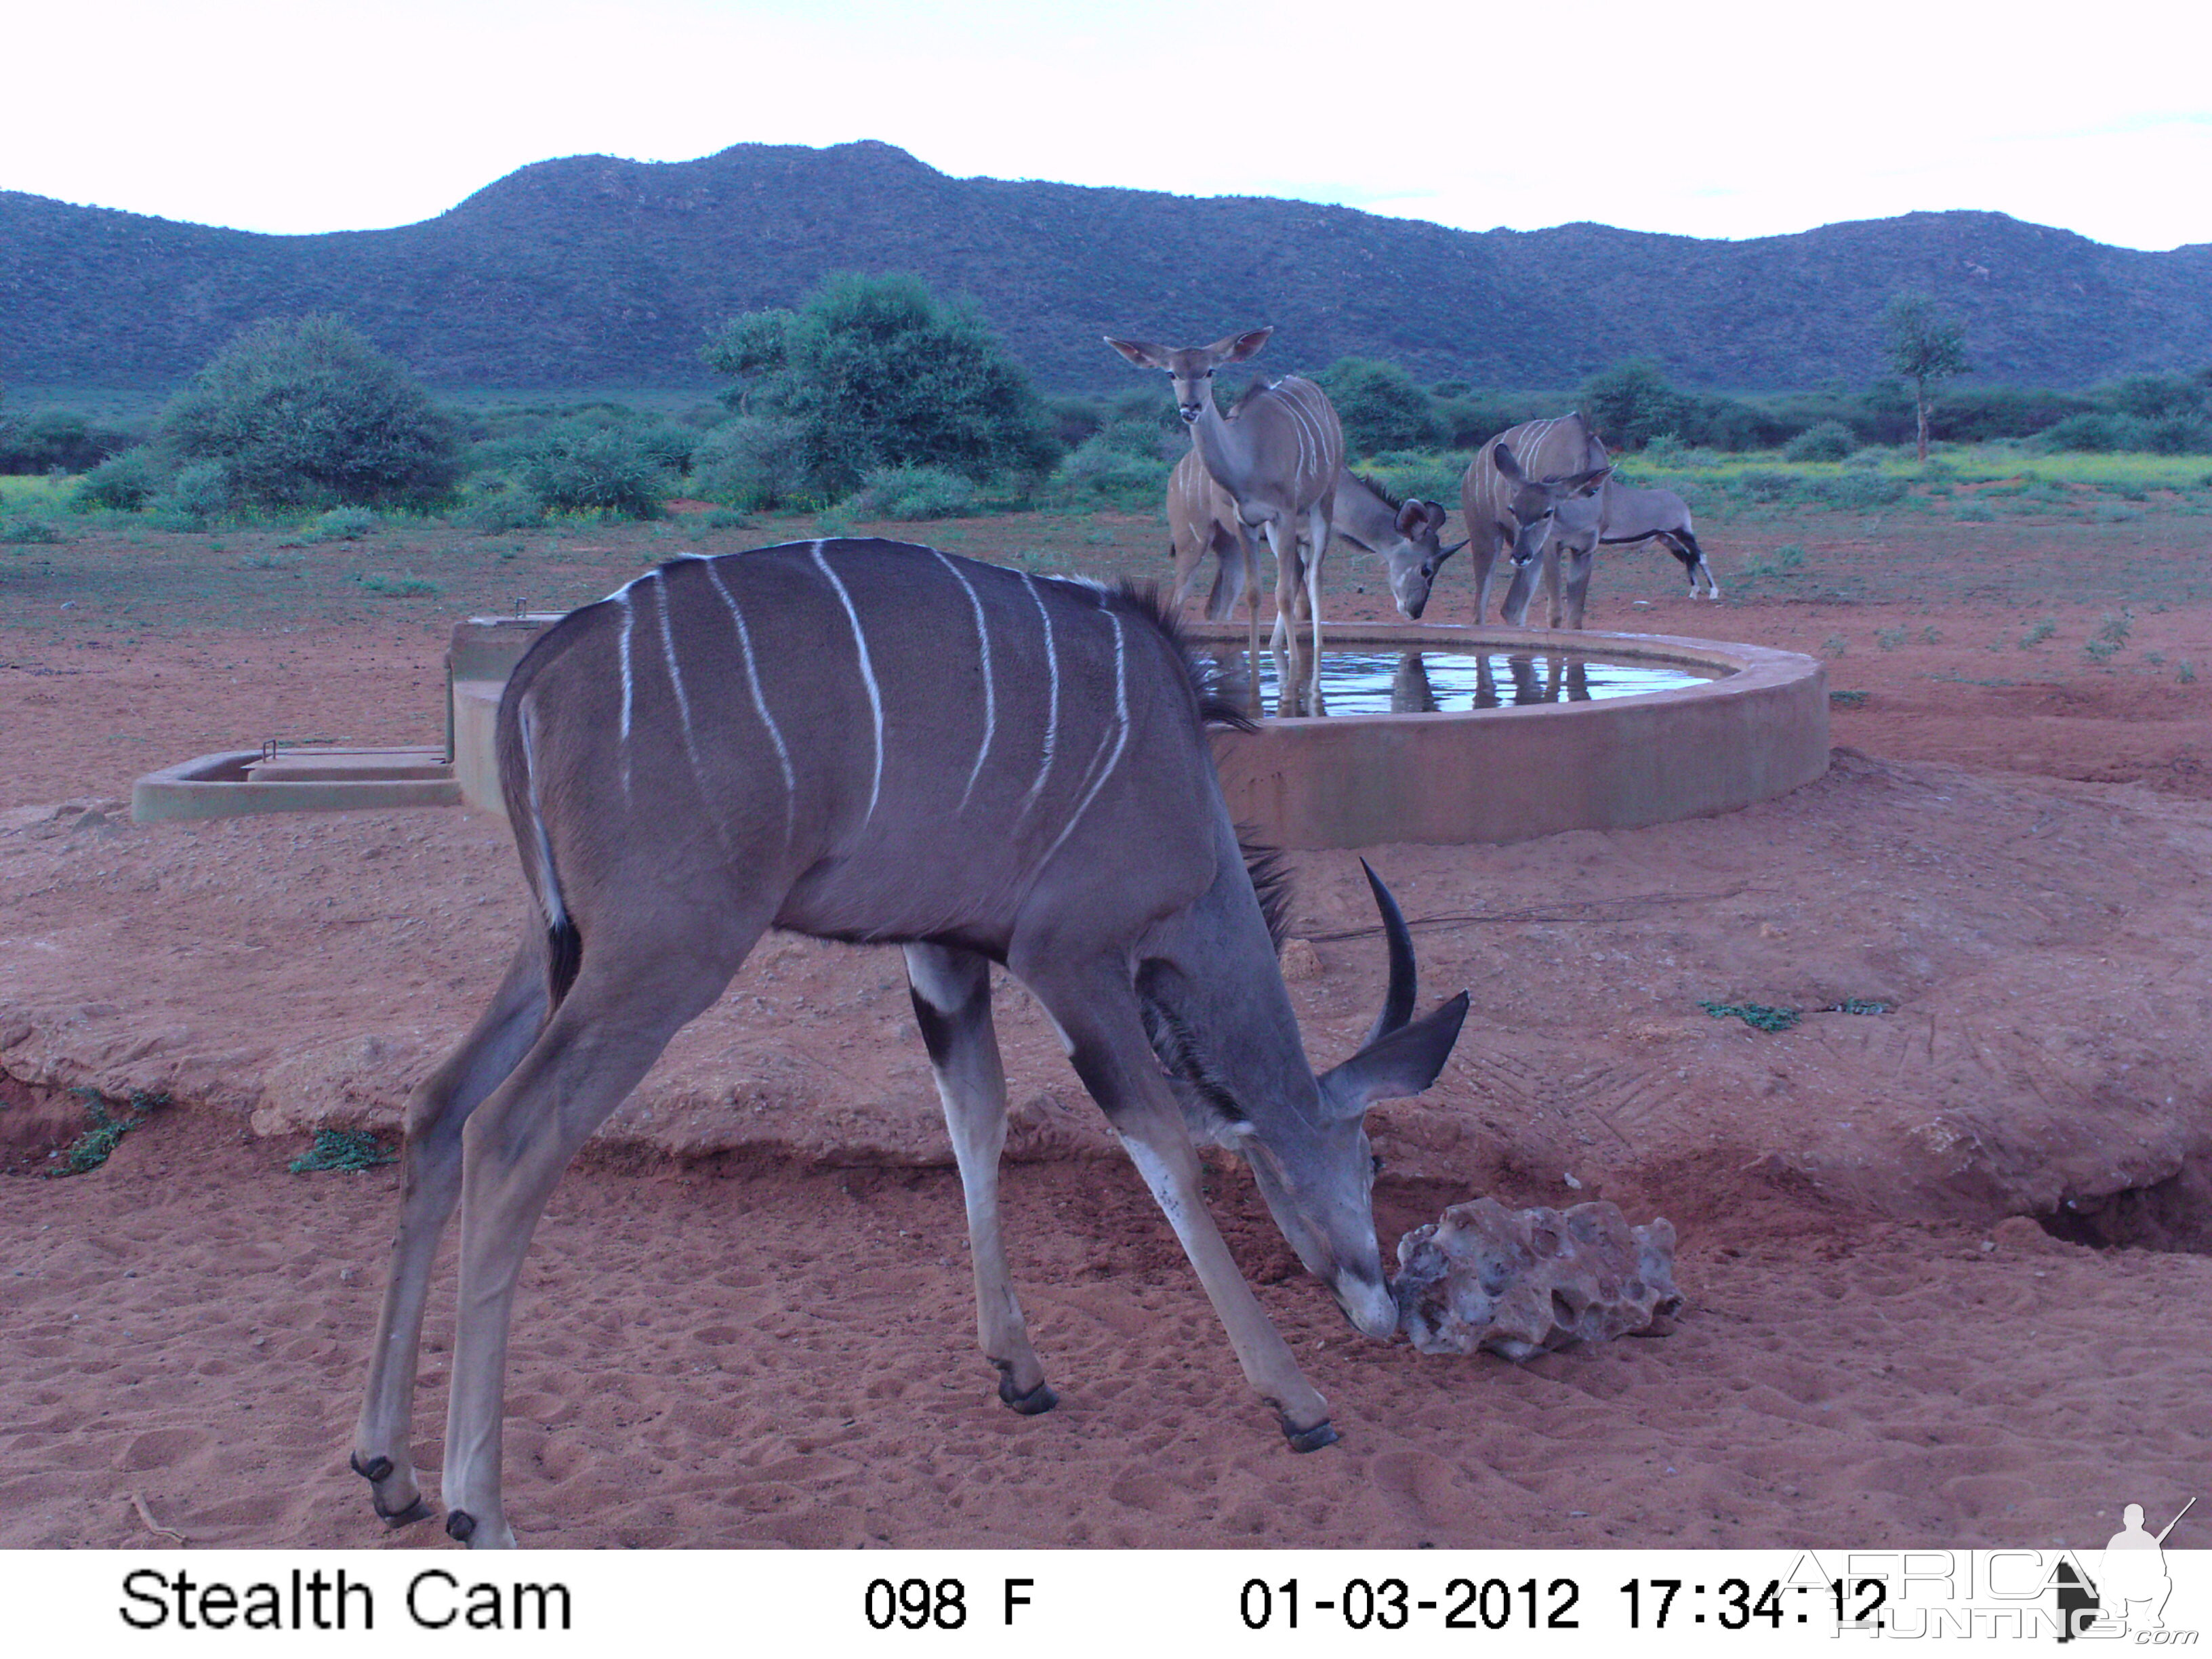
[590, 272]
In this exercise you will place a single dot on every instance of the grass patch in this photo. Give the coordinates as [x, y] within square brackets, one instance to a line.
[1855, 1005]
[1757, 1015]
[2042, 631]
[399, 587]
[90, 1149]
[349, 1150]
[1848, 699]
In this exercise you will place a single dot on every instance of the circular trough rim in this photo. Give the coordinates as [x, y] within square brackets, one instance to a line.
[1741, 668]
[1494, 776]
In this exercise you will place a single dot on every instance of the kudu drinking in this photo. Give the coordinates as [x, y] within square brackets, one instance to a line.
[721, 748]
[1202, 519]
[1498, 511]
[1277, 460]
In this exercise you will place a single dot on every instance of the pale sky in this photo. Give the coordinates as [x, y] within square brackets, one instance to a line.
[1703, 118]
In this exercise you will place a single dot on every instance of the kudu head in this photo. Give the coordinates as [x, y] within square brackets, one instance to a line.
[1309, 1152]
[1532, 503]
[1191, 367]
[1414, 566]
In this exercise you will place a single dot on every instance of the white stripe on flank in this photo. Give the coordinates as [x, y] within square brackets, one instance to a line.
[1052, 704]
[867, 673]
[548, 898]
[628, 614]
[676, 680]
[990, 691]
[1121, 738]
[760, 701]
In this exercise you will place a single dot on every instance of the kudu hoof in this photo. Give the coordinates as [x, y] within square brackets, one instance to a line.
[1313, 1439]
[376, 1471]
[460, 1526]
[1035, 1403]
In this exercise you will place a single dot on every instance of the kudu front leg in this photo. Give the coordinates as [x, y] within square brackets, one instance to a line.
[430, 1165]
[1097, 1014]
[952, 992]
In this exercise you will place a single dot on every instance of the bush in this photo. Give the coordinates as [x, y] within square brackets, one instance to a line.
[757, 463]
[909, 493]
[496, 505]
[121, 483]
[1120, 466]
[194, 495]
[345, 524]
[575, 467]
[877, 372]
[1830, 440]
[1856, 490]
[57, 441]
[1423, 474]
[2097, 433]
[1630, 403]
[305, 412]
[1380, 406]
[29, 529]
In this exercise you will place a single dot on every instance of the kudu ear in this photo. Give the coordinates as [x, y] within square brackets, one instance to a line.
[1582, 482]
[1403, 1063]
[1237, 347]
[1502, 458]
[1144, 356]
[1413, 516]
[1434, 513]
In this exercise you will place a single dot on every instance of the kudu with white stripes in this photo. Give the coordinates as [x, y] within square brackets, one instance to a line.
[1202, 520]
[1277, 460]
[1618, 516]
[721, 748]
[1499, 511]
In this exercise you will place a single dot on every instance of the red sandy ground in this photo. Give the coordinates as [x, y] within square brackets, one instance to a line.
[748, 1318]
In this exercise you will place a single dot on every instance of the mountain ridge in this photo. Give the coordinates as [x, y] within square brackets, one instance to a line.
[591, 271]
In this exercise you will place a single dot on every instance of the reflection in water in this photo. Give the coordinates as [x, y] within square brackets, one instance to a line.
[1437, 682]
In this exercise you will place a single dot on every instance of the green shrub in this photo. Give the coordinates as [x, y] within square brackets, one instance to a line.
[757, 463]
[1974, 512]
[1830, 440]
[195, 494]
[345, 524]
[1111, 469]
[1379, 405]
[350, 1151]
[28, 529]
[305, 412]
[1857, 491]
[494, 506]
[1423, 473]
[574, 467]
[122, 484]
[399, 587]
[1631, 402]
[877, 372]
[908, 493]
[2099, 432]
[57, 441]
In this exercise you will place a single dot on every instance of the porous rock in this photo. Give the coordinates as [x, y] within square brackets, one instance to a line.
[1519, 1282]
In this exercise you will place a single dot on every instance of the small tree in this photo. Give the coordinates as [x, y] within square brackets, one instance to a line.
[877, 372]
[1630, 404]
[1380, 406]
[1926, 349]
[305, 412]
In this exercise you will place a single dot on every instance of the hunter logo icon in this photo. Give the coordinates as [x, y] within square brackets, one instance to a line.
[2130, 1591]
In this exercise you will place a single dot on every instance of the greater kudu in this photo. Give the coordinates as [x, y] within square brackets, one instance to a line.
[1492, 506]
[1202, 520]
[714, 751]
[1618, 516]
[1278, 460]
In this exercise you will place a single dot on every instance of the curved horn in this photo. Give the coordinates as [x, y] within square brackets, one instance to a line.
[1398, 999]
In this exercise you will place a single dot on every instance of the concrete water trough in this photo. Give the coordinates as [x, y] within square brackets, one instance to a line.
[1746, 724]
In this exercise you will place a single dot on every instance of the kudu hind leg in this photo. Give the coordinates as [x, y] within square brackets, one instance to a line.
[430, 1165]
[952, 993]
[628, 1001]
[1097, 1014]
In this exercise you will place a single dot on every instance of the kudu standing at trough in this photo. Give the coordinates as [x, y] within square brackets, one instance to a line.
[1202, 519]
[1493, 505]
[1277, 460]
[717, 750]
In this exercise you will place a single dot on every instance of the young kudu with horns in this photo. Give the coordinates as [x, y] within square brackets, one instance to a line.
[1277, 460]
[1202, 519]
[718, 750]
[1499, 511]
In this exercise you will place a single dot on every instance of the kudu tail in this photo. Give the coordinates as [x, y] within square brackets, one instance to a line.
[517, 778]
